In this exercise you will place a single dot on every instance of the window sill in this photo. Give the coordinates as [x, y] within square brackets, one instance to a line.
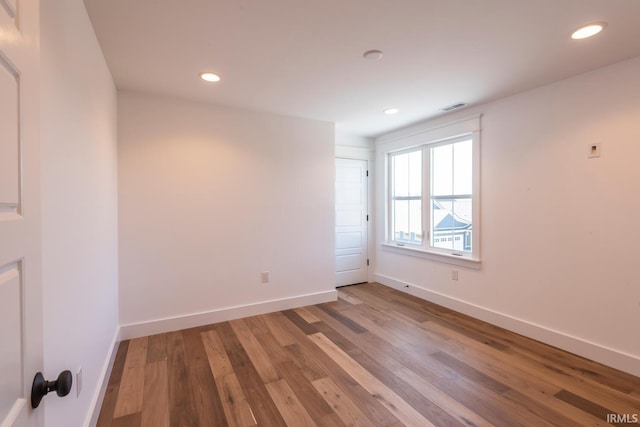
[432, 256]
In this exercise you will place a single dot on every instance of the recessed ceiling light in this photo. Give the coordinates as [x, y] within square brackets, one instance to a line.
[210, 77]
[587, 31]
[372, 55]
[390, 111]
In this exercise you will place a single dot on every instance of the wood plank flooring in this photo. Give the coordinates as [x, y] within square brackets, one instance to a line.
[376, 357]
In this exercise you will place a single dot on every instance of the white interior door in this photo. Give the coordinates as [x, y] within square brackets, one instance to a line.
[351, 222]
[20, 276]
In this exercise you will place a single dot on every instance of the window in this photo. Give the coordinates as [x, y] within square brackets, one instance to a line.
[451, 195]
[406, 198]
[433, 194]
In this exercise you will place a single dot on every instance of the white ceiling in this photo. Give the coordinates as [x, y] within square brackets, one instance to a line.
[304, 57]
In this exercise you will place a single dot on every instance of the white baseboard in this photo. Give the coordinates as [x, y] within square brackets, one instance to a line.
[158, 326]
[599, 353]
[100, 391]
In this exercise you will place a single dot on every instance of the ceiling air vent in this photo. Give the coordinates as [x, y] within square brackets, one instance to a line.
[454, 106]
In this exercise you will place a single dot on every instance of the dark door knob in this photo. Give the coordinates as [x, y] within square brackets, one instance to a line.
[40, 388]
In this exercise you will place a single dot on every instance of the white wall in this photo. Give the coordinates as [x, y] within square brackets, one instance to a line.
[209, 198]
[79, 207]
[356, 141]
[560, 232]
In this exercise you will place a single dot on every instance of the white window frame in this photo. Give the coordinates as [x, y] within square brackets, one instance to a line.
[425, 137]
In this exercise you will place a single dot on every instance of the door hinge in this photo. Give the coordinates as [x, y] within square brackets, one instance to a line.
[367, 261]
[367, 217]
[367, 173]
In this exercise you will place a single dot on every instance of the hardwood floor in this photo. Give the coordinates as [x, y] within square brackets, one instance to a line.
[376, 357]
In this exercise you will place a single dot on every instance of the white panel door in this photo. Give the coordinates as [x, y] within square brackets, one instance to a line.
[351, 222]
[20, 275]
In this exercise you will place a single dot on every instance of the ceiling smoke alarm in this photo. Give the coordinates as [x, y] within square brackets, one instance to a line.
[372, 55]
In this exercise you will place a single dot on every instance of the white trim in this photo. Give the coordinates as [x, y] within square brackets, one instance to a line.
[611, 357]
[351, 140]
[176, 323]
[428, 132]
[432, 256]
[100, 391]
[477, 196]
[13, 413]
[356, 153]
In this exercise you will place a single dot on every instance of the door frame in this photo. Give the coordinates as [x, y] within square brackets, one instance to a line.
[368, 155]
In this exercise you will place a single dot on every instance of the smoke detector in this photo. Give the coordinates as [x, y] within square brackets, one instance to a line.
[372, 55]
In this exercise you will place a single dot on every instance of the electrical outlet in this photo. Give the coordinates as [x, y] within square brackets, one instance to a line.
[454, 274]
[265, 277]
[79, 382]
